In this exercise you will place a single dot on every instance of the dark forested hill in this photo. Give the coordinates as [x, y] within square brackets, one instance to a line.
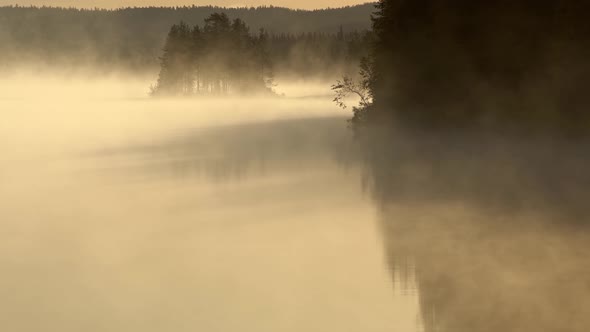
[511, 65]
[133, 37]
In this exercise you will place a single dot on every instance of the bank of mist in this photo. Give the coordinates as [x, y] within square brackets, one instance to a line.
[301, 43]
[130, 213]
[473, 144]
[476, 146]
[210, 207]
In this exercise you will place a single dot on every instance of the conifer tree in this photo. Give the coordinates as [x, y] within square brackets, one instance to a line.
[176, 73]
[221, 58]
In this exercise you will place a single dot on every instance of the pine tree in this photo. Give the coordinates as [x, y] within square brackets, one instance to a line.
[221, 58]
[176, 73]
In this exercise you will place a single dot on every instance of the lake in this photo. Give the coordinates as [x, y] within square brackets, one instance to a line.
[123, 213]
[119, 212]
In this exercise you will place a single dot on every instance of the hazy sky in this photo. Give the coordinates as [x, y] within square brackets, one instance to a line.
[307, 4]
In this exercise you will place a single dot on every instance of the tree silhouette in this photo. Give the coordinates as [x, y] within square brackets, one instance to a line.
[221, 58]
[509, 65]
[177, 69]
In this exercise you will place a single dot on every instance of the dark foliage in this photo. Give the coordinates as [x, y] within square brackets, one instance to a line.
[220, 58]
[475, 148]
[516, 65]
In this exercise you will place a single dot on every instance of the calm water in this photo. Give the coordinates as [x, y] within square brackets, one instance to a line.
[121, 213]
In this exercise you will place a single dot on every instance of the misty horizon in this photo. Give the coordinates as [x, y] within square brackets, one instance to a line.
[399, 166]
[114, 5]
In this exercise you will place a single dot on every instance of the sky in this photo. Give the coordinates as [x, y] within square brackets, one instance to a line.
[302, 4]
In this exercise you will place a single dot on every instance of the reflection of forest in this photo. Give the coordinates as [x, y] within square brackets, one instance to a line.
[231, 152]
[498, 231]
[476, 272]
[481, 166]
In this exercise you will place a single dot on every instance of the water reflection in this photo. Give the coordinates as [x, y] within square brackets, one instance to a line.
[244, 225]
[497, 230]
[150, 216]
[231, 152]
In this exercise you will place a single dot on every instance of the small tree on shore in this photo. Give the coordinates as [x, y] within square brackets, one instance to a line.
[359, 88]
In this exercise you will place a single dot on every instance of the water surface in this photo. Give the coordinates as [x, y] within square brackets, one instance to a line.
[121, 213]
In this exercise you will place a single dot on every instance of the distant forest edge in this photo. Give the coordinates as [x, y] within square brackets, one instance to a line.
[224, 56]
[132, 38]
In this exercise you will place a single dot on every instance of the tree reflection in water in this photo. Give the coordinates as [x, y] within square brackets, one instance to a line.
[497, 229]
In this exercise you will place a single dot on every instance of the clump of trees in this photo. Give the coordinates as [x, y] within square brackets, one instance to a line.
[509, 65]
[220, 58]
[131, 39]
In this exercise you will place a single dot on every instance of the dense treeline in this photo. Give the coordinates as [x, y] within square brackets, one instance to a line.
[519, 65]
[314, 54]
[220, 58]
[132, 38]
[224, 56]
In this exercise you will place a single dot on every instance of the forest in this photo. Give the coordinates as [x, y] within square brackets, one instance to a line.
[131, 39]
[220, 58]
[520, 66]
[225, 57]
[480, 105]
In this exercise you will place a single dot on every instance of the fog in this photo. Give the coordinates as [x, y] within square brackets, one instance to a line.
[122, 212]
[493, 227]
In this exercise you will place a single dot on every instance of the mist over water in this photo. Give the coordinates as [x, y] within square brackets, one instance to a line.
[493, 227]
[124, 213]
